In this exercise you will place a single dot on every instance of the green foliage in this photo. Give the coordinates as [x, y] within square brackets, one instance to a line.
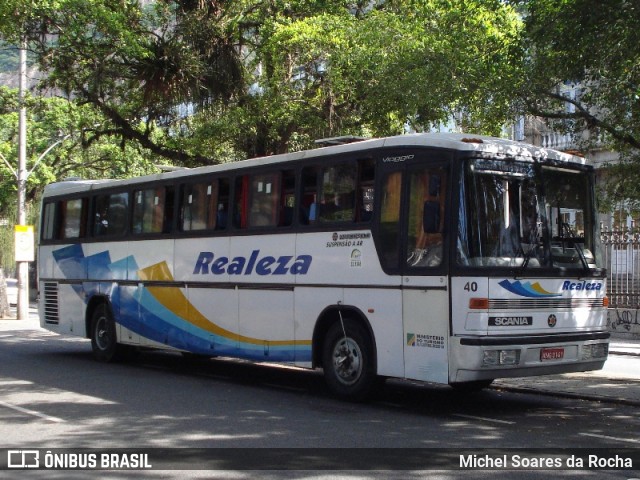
[8, 58]
[325, 72]
[208, 81]
[79, 152]
[592, 45]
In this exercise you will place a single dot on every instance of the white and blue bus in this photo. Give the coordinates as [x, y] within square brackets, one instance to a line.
[450, 259]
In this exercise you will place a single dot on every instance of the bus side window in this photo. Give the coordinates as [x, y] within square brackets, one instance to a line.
[287, 199]
[72, 218]
[337, 200]
[265, 193]
[426, 214]
[198, 206]
[390, 220]
[111, 214]
[308, 203]
[149, 210]
[366, 180]
[337, 193]
[49, 221]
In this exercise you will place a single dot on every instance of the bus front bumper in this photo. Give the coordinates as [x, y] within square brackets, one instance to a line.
[483, 358]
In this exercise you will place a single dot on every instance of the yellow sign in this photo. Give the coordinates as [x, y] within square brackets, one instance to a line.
[24, 241]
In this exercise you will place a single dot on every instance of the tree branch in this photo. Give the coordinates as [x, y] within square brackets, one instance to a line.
[128, 131]
[581, 113]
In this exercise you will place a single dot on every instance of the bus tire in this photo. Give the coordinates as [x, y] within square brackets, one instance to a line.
[347, 360]
[104, 341]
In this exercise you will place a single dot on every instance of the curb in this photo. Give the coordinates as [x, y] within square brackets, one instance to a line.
[627, 354]
[570, 395]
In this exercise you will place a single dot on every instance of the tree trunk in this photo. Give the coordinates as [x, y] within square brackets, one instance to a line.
[4, 301]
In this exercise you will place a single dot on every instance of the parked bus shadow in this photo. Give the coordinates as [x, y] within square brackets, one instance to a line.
[411, 396]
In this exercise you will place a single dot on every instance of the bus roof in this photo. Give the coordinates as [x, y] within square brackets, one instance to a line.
[454, 141]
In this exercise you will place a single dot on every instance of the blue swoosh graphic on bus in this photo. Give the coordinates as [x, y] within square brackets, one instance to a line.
[527, 289]
[164, 314]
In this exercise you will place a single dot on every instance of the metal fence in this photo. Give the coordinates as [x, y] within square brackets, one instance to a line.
[621, 248]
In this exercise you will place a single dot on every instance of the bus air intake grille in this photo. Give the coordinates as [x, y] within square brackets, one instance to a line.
[554, 303]
[51, 310]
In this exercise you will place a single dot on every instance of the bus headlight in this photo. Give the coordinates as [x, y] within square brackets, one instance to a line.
[492, 358]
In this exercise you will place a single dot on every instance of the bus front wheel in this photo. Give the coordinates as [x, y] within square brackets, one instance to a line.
[104, 342]
[348, 360]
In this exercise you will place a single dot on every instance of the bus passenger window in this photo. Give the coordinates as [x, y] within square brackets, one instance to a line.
[265, 194]
[73, 217]
[337, 193]
[149, 210]
[390, 220]
[48, 221]
[111, 214]
[308, 203]
[199, 206]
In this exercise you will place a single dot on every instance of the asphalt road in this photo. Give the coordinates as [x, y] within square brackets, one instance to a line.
[54, 395]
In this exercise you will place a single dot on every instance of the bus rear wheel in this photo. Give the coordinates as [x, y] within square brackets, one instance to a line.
[348, 361]
[104, 341]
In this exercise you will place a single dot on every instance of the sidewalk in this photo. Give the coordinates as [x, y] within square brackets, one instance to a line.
[617, 382]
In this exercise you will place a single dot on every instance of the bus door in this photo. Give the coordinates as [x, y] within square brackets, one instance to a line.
[418, 192]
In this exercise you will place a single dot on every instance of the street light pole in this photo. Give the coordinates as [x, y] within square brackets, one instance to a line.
[22, 267]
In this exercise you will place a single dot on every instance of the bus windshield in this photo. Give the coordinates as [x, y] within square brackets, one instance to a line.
[526, 215]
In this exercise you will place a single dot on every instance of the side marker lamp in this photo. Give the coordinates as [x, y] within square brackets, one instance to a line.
[479, 304]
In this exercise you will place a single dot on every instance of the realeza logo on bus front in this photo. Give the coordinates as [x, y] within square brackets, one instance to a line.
[527, 289]
[536, 290]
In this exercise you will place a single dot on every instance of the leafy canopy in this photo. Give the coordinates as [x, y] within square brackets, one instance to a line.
[224, 80]
[594, 46]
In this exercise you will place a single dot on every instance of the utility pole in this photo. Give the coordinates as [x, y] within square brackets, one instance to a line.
[22, 267]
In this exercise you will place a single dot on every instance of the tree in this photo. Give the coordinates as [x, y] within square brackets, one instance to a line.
[135, 64]
[320, 69]
[594, 46]
[80, 153]
[224, 80]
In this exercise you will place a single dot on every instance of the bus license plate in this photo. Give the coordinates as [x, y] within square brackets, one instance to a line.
[551, 354]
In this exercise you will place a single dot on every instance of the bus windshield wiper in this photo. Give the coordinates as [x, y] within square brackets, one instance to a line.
[576, 244]
[535, 242]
